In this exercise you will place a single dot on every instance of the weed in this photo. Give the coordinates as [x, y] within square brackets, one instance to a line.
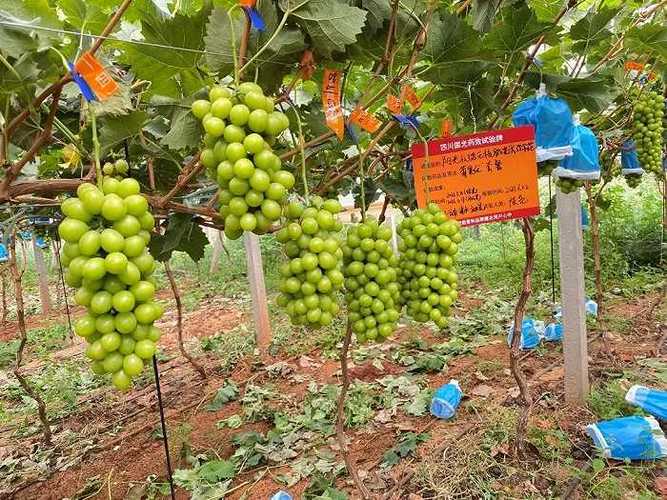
[607, 400]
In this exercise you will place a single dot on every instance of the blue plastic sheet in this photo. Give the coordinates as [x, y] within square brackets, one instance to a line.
[653, 401]
[446, 400]
[552, 120]
[282, 495]
[531, 333]
[629, 159]
[553, 332]
[4, 256]
[584, 163]
[633, 438]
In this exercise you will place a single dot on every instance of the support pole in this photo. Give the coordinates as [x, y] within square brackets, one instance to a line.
[163, 425]
[43, 277]
[260, 306]
[573, 296]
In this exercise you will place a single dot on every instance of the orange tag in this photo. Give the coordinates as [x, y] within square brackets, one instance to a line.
[633, 65]
[446, 127]
[411, 96]
[307, 65]
[331, 101]
[365, 120]
[97, 78]
[247, 3]
[394, 104]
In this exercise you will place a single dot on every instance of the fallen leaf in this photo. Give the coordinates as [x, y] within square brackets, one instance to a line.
[514, 392]
[482, 390]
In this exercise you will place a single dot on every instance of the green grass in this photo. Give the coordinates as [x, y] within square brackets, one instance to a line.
[41, 342]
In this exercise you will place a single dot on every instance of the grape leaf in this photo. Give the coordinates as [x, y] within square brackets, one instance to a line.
[185, 131]
[546, 10]
[483, 13]
[218, 39]
[217, 470]
[116, 129]
[158, 64]
[182, 235]
[377, 12]
[649, 40]
[17, 42]
[84, 15]
[591, 29]
[228, 392]
[518, 28]
[331, 24]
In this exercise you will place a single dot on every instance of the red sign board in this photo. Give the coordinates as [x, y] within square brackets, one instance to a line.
[479, 178]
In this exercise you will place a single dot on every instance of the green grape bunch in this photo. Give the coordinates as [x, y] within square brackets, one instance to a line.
[568, 185]
[648, 113]
[633, 180]
[311, 280]
[371, 281]
[429, 283]
[241, 127]
[106, 232]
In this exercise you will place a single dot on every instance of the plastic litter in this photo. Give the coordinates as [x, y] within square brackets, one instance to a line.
[4, 256]
[633, 438]
[281, 495]
[553, 332]
[39, 241]
[552, 119]
[653, 401]
[584, 163]
[446, 400]
[629, 159]
[531, 333]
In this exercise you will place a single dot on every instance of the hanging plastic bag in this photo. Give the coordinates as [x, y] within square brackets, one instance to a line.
[653, 401]
[629, 159]
[552, 120]
[591, 307]
[633, 438]
[584, 163]
[585, 224]
[4, 256]
[531, 333]
[446, 400]
[553, 332]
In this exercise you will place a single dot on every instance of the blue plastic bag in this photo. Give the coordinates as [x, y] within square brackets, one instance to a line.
[39, 241]
[552, 120]
[446, 400]
[531, 333]
[282, 495]
[584, 163]
[584, 218]
[591, 307]
[629, 159]
[634, 438]
[4, 256]
[653, 401]
[553, 332]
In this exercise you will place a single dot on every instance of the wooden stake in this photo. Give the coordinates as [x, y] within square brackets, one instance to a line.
[260, 306]
[44, 298]
[573, 296]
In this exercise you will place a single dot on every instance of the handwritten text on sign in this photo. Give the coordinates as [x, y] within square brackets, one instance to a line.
[479, 178]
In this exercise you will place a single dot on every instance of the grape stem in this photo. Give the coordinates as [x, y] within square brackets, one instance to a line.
[96, 146]
[232, 35]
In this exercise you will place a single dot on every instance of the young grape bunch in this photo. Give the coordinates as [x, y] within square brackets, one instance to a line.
[241, 127]
[568, 185]
[429, 244]
[649, 110]
[106, 234]
[312, 278]
[633, 180]
[372, 292]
